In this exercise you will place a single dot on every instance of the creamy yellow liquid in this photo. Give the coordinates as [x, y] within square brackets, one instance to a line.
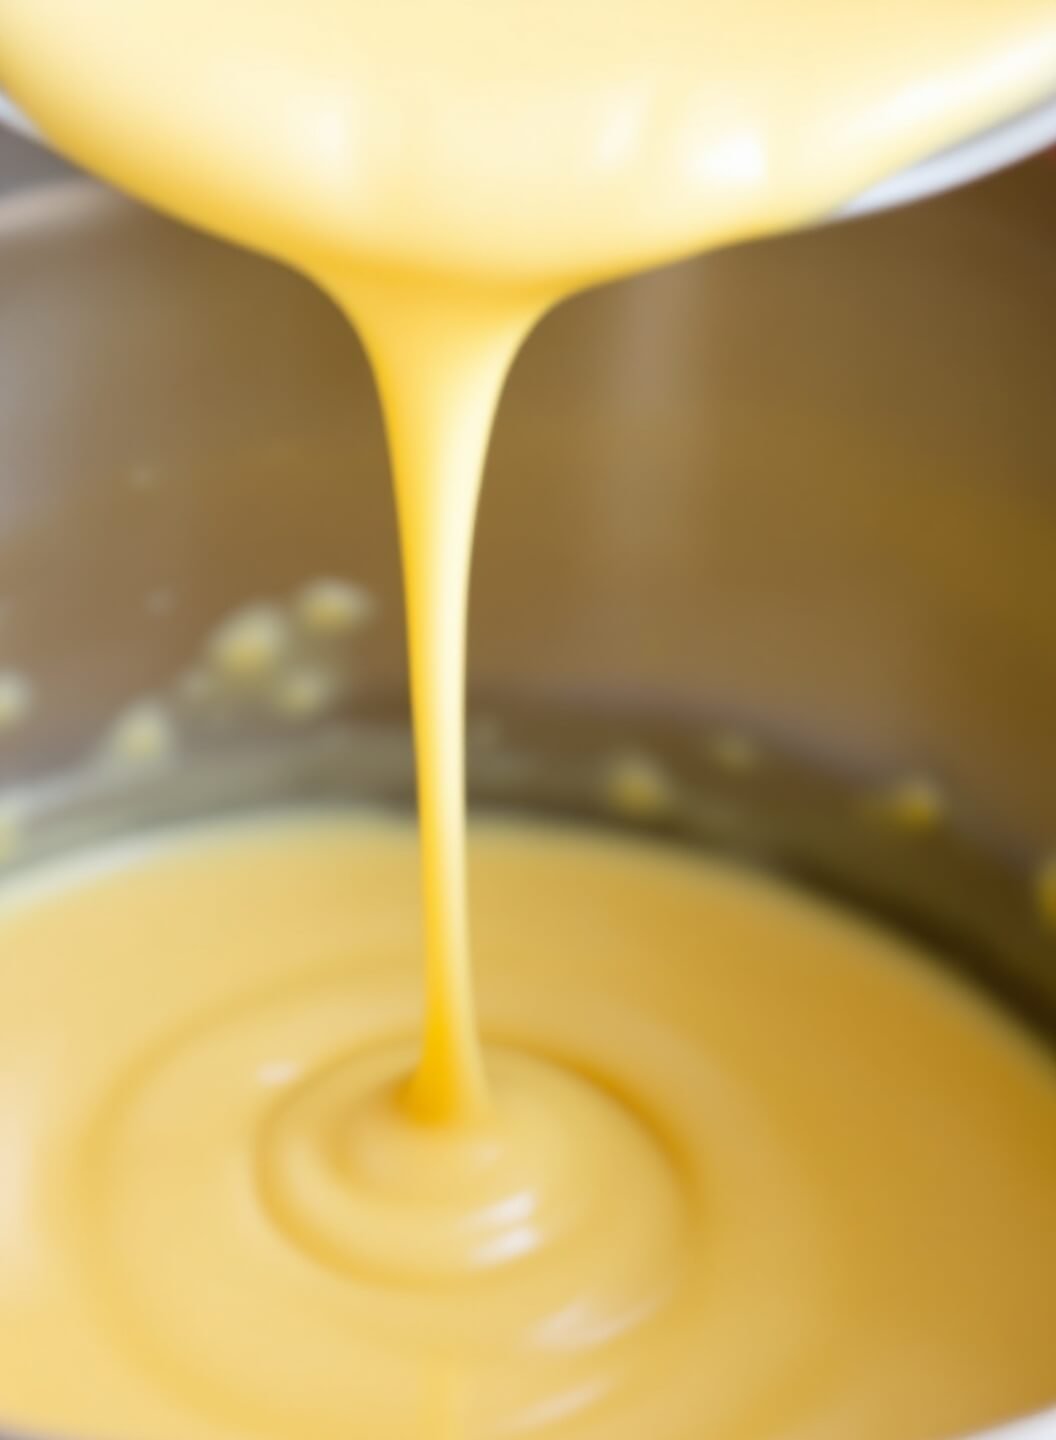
[757, 1171]
[697, 1261]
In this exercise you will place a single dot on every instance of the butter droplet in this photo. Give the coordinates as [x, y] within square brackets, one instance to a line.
[334, 607]
[914, 804]
[637, 787]
[143, 734]
[10, 831]
[733, 752]
[16, 699]
[303, 692]
[1045, 891]
[250, 644]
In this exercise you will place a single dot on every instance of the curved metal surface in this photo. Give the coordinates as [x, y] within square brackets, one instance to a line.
[995, 149]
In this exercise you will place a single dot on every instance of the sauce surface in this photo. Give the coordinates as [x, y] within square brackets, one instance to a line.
[755, 1169]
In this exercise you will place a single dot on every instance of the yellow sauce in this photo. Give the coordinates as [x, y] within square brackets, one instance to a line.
[755, 1170]
[641, 1216]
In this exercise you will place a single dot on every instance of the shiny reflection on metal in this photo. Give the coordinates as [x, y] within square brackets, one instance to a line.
[12, 117]
[994, 149]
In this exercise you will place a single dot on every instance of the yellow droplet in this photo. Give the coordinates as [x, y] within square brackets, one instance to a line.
[251, 643]
[637, 787]
[334, 607]
[733, 752]
[914, 804]
[1045, 891]
[303, 693]
[144, 734]
[10, 831]
[16, 699]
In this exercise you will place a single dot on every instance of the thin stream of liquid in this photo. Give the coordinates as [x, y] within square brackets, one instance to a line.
[440, 376]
